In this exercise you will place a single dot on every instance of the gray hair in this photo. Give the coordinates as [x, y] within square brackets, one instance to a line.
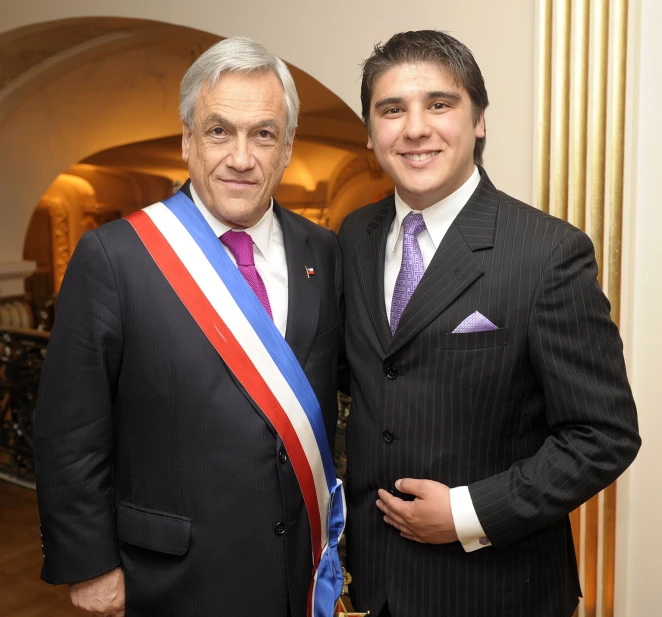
[236, 55]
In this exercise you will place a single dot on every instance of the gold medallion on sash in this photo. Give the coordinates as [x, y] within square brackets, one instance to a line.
[344, 606]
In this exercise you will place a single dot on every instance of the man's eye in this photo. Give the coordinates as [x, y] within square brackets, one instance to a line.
[264, 134]
[218, 131]
[393, 110]
[439, 106]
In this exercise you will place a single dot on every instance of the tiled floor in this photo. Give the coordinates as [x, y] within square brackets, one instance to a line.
[22, 593]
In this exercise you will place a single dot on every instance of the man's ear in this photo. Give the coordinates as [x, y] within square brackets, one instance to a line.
[480, 126]
[288, 150]
[186, 141]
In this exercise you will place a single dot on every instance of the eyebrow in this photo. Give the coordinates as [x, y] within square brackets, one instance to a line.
[392, 100]
[444, 94]
[266, 123]
[434, 94]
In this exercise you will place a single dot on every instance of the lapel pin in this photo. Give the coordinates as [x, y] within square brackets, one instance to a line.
[310, 272]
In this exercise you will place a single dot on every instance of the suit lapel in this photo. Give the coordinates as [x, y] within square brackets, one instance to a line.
[186, 189]
[303, 293]
[454, 266]
[369, 258]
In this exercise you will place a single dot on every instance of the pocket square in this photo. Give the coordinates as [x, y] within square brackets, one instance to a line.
[476, 322]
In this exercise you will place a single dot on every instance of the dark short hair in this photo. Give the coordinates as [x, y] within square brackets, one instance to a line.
[427, 46]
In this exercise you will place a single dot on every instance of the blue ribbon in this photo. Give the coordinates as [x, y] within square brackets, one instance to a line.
[329, 571]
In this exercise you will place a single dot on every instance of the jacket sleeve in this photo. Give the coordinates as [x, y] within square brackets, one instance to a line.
[73, 438]
[577, 356]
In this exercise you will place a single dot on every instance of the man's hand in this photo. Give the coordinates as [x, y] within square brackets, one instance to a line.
[102, 596]
[427, 519]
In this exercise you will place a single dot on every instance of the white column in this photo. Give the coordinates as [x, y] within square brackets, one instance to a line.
[639, 548]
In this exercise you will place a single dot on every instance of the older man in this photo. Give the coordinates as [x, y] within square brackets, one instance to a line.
[192, 343]
[489, 393]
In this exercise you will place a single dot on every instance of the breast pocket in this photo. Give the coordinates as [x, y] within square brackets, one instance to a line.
[474, 340]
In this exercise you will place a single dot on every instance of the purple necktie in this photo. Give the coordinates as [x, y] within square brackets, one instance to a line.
[241, 246]
[412, 268]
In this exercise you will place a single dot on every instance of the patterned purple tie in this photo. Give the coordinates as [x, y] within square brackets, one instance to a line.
[241, 246]
[412, 268]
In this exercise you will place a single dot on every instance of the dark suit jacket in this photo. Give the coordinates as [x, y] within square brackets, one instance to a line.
[150, 454]
[535, 417]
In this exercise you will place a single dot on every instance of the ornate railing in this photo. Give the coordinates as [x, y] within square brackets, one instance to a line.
[22, 355]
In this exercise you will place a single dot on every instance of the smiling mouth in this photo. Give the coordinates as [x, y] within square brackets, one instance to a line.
[424, 156]
[237, 183]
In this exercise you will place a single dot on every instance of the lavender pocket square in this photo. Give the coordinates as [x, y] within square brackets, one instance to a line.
[476, 322]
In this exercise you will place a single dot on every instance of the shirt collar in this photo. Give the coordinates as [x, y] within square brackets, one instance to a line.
[260, 232]
[439, 216]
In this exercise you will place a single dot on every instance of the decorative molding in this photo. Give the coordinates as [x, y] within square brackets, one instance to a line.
[561, 106]
[598, 121]
[12, 278]
[579, 120]
[93, 217]
[582, 81]
[544, 111]
[60, 235]
[16, 269]
[617, 98]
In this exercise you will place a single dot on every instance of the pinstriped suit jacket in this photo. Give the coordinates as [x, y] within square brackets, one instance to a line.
[535, 417]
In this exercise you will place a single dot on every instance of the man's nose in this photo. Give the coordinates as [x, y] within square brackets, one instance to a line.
[241, 157]
[416, 125]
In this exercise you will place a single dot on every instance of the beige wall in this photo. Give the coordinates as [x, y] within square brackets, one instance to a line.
[639, 567]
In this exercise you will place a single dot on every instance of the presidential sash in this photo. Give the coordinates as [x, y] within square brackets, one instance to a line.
[229, 313]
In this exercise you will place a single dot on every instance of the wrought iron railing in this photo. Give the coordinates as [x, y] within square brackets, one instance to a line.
[22, 355]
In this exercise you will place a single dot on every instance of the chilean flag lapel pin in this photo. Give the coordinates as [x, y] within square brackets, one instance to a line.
[310, 271]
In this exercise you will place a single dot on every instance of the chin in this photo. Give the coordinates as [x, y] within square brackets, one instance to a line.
[422, 190]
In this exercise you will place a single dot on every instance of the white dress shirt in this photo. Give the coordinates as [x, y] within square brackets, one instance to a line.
[438, 218]
[269, 254]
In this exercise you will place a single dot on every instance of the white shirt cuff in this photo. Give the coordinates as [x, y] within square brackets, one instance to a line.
[469, 531]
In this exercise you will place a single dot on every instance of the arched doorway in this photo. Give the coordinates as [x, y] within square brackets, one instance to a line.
[97, 99]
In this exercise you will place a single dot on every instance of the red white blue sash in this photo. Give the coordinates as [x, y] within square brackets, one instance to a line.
[229, 313]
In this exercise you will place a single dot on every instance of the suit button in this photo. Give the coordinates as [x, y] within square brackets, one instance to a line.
[391, 373]
[282, 456]
[388, 436]
[279, 529]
